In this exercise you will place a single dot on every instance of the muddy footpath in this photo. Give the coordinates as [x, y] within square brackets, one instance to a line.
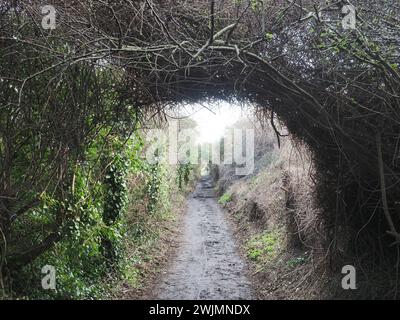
[207, 264]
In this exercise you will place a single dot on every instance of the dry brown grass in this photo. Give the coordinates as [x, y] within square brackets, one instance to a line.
[280, 199]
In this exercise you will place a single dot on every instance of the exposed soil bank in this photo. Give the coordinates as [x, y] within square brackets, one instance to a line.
[207, 265]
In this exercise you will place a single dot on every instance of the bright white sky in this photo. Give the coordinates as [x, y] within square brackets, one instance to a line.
[212, 124]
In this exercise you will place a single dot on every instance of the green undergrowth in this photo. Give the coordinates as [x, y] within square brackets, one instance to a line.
[118, 205]
[264, 247]
[144, 238]
[225, 198]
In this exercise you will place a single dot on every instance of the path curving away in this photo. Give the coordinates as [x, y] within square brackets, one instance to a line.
[208, 265]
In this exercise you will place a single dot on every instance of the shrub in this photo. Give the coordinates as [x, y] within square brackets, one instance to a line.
[225, 198]
[264, 247]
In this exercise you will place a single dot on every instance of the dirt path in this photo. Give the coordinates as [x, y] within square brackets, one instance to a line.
[207, 265]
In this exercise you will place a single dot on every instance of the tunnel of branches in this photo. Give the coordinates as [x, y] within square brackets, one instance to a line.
[335, 90]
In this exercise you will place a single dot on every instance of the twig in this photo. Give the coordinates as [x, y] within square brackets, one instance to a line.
[393, 232]
[212, 17]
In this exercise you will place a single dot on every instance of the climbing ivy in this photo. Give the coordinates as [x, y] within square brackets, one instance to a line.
[183, 174]
[114, 205]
